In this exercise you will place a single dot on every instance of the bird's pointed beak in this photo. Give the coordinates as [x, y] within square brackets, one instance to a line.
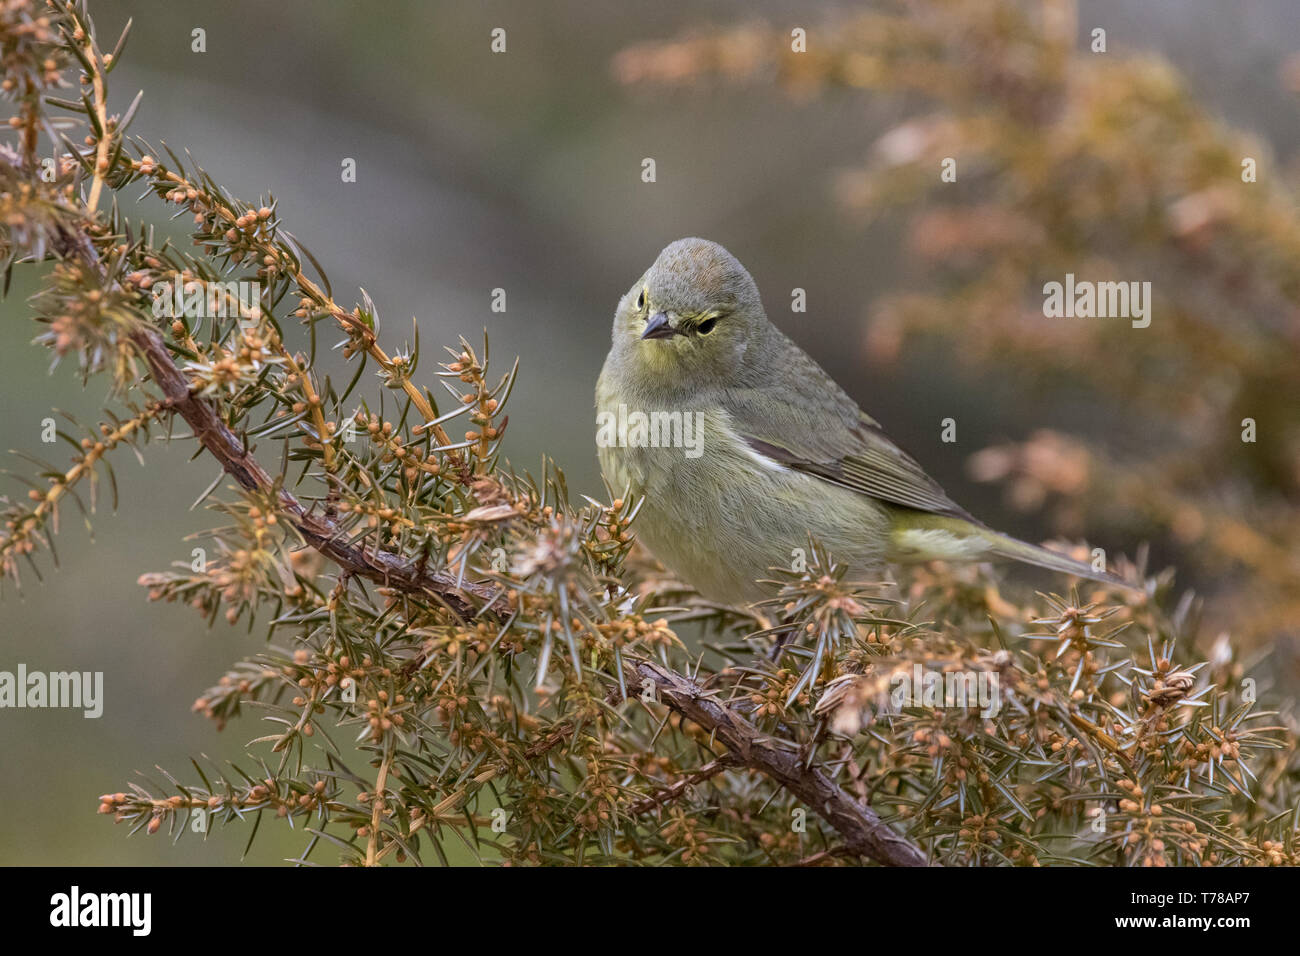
[657, 327]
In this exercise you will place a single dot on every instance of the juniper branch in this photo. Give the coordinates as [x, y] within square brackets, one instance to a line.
[236, 459]
[863, 831]
[321, 532]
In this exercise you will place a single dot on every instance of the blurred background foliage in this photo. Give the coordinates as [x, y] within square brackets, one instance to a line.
[820, 171]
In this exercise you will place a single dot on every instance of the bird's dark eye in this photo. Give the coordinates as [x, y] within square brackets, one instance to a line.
[707, 325]
[640, 301]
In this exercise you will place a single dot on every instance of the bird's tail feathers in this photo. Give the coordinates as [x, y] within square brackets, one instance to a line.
[1004, 546]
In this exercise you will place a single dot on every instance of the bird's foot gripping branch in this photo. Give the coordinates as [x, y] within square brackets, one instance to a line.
[460, 662]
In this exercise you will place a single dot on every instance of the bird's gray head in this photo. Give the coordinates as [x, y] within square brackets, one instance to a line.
[695, 312]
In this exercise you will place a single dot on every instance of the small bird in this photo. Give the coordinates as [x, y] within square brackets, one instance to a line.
[744, 449]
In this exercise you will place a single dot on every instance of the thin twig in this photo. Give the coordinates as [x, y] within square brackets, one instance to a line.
[668, 794]
[101, 117]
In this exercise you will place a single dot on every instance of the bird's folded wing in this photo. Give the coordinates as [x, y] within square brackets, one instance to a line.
[822, 439]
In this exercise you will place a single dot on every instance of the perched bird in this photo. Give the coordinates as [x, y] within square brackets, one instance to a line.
[744, 448]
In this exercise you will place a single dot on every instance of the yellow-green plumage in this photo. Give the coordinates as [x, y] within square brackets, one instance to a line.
[784, 453]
